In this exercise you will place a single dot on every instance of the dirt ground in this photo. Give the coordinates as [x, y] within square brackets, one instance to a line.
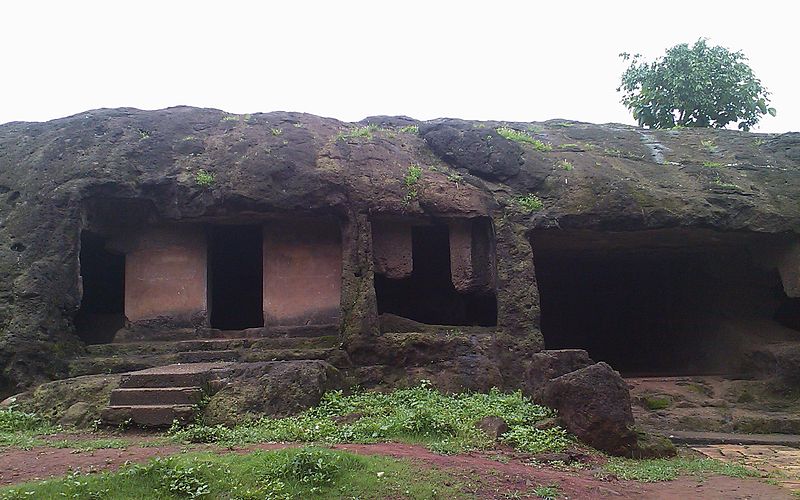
[492, 474]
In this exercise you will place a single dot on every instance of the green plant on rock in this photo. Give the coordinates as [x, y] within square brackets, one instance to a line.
[529, 203]
[523, 137]
[456, 178]
[411, 180]
[204, 178]
[410, 129]
[565, 164]
[364, 132]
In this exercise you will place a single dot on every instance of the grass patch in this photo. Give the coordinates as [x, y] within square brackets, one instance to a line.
[712, 164]
[411, 180]
[421, 414]
[283, 474]
[653, 403]
[365, 132]
[565, 164]
[530, 203]
[204, 178]
[550, 492]
[708, 145]
[663, 469]
[21, 429]
[523, 137]
[410, 129]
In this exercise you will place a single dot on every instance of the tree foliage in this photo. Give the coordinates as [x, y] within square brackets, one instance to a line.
[697, 86]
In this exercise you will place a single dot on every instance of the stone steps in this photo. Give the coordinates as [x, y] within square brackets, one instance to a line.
[124, 357]
[148, 415]
[175, 375]
[156, 397]
[166, 347]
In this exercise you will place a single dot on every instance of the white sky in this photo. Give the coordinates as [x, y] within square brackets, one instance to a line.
[504, 60]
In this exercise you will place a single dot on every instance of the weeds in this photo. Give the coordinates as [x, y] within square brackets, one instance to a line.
[712, 164]
[565, 164]
[708, 145]
[365, 132]
[653, 403]
[445, 423]
[20, 429]
[203, 178]
[456, 178]
[523, 137]
[410, 129]
[550, 492]
[411, 180]
[530, 203]
[661, 469]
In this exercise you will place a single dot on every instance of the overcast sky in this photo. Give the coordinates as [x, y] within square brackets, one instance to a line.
[516, 61]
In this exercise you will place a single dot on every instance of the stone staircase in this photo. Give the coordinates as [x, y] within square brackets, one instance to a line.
[158, 396]
[164, 380]
[131, 356]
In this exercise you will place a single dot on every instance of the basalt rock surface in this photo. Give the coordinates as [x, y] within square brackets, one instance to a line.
[120, 166]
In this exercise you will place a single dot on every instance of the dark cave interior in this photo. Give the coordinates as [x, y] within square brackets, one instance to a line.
[428, 295]
[102, 309]
[235, 274]
[659, 302]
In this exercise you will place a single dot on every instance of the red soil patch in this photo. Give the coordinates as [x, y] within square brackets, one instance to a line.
[481, 474]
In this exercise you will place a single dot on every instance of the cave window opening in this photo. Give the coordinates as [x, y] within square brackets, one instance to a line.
[428, 295]
[102, 309]
[235, 275]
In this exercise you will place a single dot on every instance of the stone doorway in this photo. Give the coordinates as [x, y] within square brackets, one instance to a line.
[235, 277]
[102, 309]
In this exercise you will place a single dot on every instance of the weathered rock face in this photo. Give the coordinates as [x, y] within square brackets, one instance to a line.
[594, 404]
[131, 168]
[254, 390]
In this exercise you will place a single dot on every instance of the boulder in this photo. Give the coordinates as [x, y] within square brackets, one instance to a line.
[274, 388]
[549, 364]
[73, 402]
[595, 405]
[492, 426]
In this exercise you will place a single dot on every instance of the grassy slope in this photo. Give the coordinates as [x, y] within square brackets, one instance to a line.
[290, 473]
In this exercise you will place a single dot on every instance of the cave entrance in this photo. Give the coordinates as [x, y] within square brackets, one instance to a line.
[235, 283]
[670, 302]
[426, 292]
[102, 309]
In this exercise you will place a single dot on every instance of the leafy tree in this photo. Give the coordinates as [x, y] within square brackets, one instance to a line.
[698, 86]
